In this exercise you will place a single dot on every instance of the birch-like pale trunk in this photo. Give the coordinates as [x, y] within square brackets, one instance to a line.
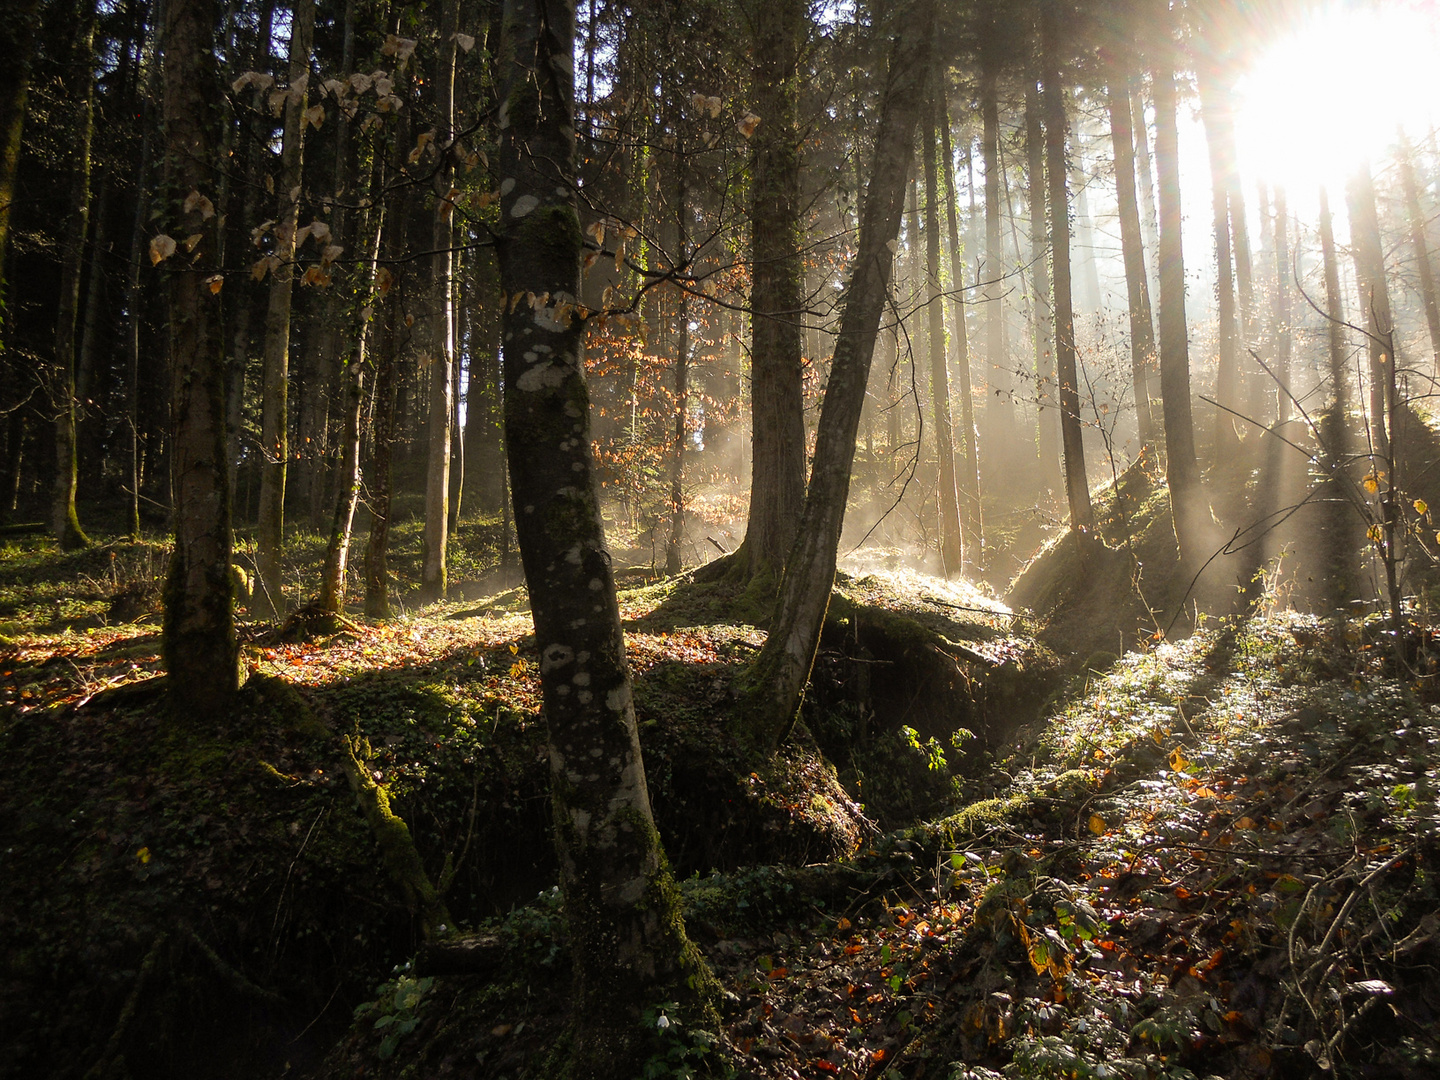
[627, 937]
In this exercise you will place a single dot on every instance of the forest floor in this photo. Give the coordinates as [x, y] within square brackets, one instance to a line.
[1004, 846]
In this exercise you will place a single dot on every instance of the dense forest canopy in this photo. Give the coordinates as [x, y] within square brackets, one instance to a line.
[1124, 311]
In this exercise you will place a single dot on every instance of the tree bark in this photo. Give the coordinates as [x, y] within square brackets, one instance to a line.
[999, 405]
[200, 647]
[1335, 428]
[673, 562]
[64, 520]
[622, 909]
[1042, 305]
[1215, 111]
[1132, 246]
[1422, 249]
[441, 352]
[274, 437]
[17, 44]
[777, 485]
[780, 672]
[1374, 299]
[1283, 341]
[952, 549]
[1182, 471]
[972, 523]
[1077, 488]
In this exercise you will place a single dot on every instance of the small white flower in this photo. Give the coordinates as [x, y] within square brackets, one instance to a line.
[663, 1022]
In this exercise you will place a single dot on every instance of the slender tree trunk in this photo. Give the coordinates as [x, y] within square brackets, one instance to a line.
[1077, 489]
[1422, 249]
[782, 669]
[64, 520]
[1335, 427]
[1132, 246]
[1215, 102]
[1374, 299]
[274, 437]
[200, 647]
[1047, 416]
[347, 485]
[1182, 471]
[17, 45]
[441, 351]
[1283, 340]
[972, 526]
[1150, 218]
[484, 447]
[777, 485]
[627, 937]
[382, 438]
[673, 563]
[952, 549]
[1000, 404]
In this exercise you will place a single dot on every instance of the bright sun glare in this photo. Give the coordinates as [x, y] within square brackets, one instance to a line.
[1335, 90]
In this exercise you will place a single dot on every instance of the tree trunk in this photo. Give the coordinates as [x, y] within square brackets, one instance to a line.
[441, 352]
[64, 520]
[1047, 417]
[1374, 299]
[1150, 218]
[1335, 429]
[972, 522]
[1132, 246]
[200, 648]
[952, 550]
[484, 446]
[1283, 339]
[274, 437]
[17, 45]
[1077, 489]
[622, 910]
[1215, 110]
[777, 485]
[999, 405]
[1182, 471]
[673, 562]
[1422, 248]
[347, 485]
[781, 670]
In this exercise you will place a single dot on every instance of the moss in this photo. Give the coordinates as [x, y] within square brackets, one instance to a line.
[397, 846]
[979, 818]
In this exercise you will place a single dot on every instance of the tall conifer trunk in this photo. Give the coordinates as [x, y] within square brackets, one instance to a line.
[1077, 489]
[274, 436]
[1132, 247]
[200, 647]
[780, 672]
[972, 522]
[440, 354]
[1374, 300]
[1182, 471]
[64, 519]
[952, 550]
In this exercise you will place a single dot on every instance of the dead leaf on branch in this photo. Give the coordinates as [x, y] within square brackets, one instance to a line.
[161, 248]
[258, 79]
[195, 201]
[465, 41]
[747, 124]
[216, 282]
[315, 116]
[330, 253]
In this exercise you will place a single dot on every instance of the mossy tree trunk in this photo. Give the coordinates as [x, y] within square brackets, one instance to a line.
[952, 548]
[1077, 489]
[274, 422]
[777, 485]
[780, 672]
[200, 648]
[64, 519]
[629, 944]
